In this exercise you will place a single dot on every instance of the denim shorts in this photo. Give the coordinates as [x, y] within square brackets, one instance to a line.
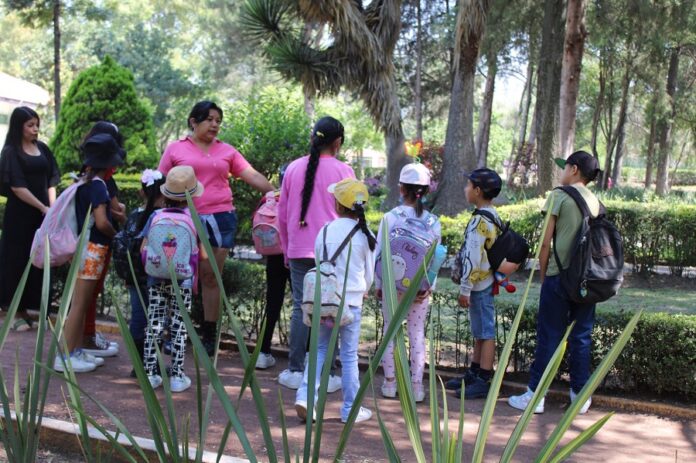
[482, 314]
[221, 228]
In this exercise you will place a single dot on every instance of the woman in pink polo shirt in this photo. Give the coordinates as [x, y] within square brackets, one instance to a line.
[305, 206]
[214, 162]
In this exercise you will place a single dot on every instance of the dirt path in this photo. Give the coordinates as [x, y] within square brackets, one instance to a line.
[626, 437]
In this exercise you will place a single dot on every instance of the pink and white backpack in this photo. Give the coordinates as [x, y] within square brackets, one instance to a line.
[265, 231]
[59, 227]
[171, 239]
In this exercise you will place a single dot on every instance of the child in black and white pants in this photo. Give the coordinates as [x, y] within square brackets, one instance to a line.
[163, 306]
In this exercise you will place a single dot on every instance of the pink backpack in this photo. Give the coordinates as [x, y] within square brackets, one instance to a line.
[264, 229]
[59, 227]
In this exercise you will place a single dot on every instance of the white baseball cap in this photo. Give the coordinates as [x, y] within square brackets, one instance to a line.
[415, 174]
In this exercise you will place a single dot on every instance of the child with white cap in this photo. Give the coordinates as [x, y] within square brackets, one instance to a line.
[333, 239]
[414, 184]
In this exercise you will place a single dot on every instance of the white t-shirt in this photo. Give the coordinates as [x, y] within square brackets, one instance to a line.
[362, 261]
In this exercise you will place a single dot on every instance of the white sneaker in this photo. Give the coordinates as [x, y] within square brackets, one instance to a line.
[418, 392]
[363, 415]
[290, 379]
[585, 406]
[155, 381]
[78, 364]
[389, 389]
[301, 409]
[101, 337]
[180, 383]
[335, 384]
[98, 361]
[521, 401]
[264, 361]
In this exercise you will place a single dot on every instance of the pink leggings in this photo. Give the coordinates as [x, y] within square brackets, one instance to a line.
[416, 339]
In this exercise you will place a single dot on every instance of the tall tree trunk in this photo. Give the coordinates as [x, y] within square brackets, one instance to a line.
[597, 114]
[665, 127]
[620, 151]
[620, 127]
[486, 112]
[459, 152]
[575, 35]
[418, 91]
[608, 129]
[650, 151]
[548, 92]
[56, 59]
[523, 121]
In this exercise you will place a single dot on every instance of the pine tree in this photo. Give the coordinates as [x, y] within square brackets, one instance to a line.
[104, 92]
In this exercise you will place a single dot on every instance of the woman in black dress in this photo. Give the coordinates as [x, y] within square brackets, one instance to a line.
[28, 178]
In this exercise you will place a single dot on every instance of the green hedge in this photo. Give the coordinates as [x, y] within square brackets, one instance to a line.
[660, 357]
[682, 177]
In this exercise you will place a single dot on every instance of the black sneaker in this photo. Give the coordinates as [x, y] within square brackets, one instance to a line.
[477, 389]
[456, 383]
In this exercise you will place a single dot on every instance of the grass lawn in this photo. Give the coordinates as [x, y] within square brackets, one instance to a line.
[658, 293]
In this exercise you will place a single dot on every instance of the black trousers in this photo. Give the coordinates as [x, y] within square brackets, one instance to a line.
[277, 277]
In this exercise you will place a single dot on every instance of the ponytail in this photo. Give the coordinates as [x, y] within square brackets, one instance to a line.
[415, 194]
[325, 132]
[312, 166]
[359, 213]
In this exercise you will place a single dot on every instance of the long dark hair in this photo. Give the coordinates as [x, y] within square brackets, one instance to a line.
[15, 131]
[359, 212]
[416, 193]
[325, 132]
[152, 194]
[201, 111]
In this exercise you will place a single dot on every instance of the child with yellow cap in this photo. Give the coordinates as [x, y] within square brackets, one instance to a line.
[351, 197]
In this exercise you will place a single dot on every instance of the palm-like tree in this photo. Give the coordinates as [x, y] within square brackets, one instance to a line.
[357, 56]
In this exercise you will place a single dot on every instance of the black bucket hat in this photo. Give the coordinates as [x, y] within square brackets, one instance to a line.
[101, 151]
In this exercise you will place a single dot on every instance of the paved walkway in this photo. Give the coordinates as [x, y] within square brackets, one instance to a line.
[627, 437]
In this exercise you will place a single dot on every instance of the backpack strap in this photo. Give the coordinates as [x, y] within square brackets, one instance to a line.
[325, 255]
[491, 217]
[580, 201]
[342, 245]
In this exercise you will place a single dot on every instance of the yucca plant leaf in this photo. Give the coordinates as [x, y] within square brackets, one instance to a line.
[444, 448]
[434, 405]
[595, 380]
[283, 428]
[239, 337]
[214, 378]
[389, 447]
[251, 366]
[460, 433]
[398, 317]
[328, 360]
[14, 304]
[10, 440]
[543, 386]
[494, 391]
[583, 437]
[312, 367]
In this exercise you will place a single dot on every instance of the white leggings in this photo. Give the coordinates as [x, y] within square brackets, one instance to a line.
[417, 316]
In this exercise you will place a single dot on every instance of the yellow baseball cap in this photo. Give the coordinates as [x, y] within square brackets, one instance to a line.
[349, 192]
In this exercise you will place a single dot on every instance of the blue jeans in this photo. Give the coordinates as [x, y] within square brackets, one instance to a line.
[138, 321]
[482, 314]
[349, 336]
[556, 313]
[221, 228]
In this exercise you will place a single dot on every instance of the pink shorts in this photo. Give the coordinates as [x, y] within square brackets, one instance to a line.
[93, 261]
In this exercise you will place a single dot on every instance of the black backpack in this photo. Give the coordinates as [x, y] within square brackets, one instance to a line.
[595, 271]
[509, 245]
[127, 242]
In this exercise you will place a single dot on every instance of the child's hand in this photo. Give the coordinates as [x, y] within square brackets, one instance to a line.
[378, 293]
[463, 301]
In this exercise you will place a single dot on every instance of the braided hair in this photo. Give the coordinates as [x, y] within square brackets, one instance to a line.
[325, 132]
[416, 193]
[359, 212]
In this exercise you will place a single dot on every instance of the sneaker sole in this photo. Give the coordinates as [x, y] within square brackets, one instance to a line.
[100, 353]
[536, 412]
[301, 412]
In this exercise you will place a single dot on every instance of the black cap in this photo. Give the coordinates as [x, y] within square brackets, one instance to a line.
[101, 151]
[587, 164]
[488, 180]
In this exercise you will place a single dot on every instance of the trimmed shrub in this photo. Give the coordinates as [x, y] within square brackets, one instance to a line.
[269, 129]
[104, 92]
